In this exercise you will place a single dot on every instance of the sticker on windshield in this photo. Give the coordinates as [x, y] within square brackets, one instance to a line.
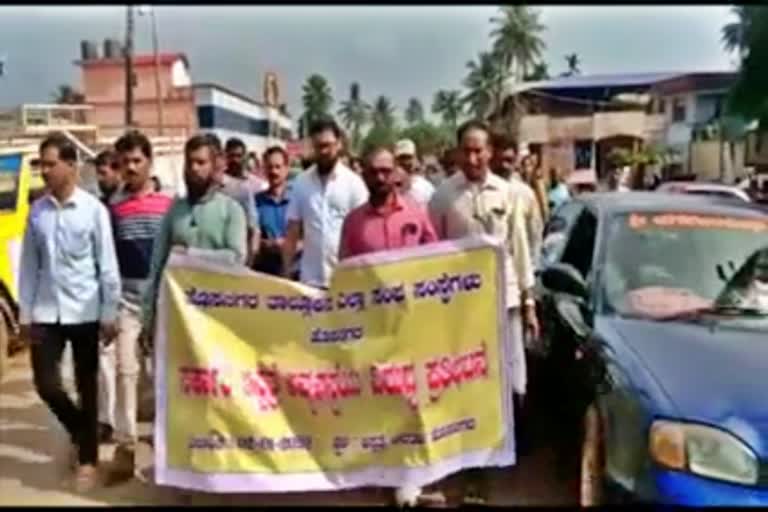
[639, 221]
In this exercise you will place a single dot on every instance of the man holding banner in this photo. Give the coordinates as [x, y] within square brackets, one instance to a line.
[476, 202]
[387, 221]
[206, 219]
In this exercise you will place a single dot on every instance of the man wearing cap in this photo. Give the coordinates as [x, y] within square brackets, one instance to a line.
[420, 189]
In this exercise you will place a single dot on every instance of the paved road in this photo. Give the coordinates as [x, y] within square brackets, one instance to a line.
[33, 468]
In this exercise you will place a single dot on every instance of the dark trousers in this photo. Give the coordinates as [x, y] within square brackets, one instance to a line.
[81, 421]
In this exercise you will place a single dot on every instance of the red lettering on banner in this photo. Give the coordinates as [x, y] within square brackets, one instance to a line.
[394, 380]
[445, 371]
[203, 382]
[324, 386]
[264, 384]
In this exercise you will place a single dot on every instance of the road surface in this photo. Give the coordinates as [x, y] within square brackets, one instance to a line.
[33, 467]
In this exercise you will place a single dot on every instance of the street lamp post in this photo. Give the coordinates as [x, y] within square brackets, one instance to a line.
[129, 66]
[144, 9]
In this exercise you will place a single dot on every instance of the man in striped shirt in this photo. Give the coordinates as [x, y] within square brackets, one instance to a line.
[137, 213]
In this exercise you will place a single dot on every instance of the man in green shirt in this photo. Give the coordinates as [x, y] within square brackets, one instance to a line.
[205, 219]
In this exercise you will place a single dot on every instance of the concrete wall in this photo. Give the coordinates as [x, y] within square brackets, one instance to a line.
[546, 129]
[104, 88]
[705, 160]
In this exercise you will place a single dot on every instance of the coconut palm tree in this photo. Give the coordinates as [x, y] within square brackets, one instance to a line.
[67, 95]
[735, 35]
[354, 114]
[748, 97]
[414, 113]
[383, 114]
[485, 85]
[572, 61]
[540, 71]
[317, 98]
[448, 105]
[517, 38]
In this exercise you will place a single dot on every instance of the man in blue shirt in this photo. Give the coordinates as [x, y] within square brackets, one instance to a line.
[271, 206]
[69, 290]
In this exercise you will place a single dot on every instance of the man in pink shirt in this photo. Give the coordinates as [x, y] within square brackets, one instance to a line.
[388, 220]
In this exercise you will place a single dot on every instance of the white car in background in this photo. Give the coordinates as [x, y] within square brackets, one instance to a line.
[704, 189]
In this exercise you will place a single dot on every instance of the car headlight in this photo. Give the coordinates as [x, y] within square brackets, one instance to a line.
[704, 451]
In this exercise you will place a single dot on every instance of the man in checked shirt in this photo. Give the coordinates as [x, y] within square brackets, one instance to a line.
[473, 202]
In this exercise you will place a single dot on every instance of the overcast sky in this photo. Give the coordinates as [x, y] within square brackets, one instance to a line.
[400, 51]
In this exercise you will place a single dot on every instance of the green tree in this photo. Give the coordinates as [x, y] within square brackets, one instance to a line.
[67, 95]
[429, 138]
[484, 83]
[414, 113]
[448, 105]
[749, 95]
[354, 114]
[572, 61]
[517, 39]
[383, 130]
[735, 35]
[540, 71]
[383, 114]
[317, 99]
[379, 136]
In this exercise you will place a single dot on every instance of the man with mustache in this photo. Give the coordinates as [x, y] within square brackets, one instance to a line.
[271, 206]
[69, 290]
[137, 214]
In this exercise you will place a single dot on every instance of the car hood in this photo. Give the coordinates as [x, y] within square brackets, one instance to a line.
[714, 374]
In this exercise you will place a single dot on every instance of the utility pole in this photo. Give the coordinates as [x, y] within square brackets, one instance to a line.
[129, 66]
[158, 85]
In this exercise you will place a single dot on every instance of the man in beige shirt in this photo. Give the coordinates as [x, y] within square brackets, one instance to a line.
[475, 202]
[504, 164]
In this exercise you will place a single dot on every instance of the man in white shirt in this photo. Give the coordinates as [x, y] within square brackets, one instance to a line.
[69, 290]
[420, 189]
[320, 199]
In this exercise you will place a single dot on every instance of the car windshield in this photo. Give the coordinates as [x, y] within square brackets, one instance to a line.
[10, 166]
[662, 265]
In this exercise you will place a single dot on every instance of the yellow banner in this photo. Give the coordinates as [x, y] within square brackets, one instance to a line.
[396, 374]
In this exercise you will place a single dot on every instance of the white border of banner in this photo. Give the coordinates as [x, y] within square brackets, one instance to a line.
[334, 481]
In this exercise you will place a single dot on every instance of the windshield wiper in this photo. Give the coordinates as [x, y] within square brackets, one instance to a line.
[719, 309]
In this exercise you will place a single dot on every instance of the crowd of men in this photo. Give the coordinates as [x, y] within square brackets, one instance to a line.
[91, 267]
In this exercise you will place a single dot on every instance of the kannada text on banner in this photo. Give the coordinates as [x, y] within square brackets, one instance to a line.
[395, 374]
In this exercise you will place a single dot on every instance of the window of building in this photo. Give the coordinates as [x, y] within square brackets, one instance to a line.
[678, 110]
[662, 106]
[582, 154]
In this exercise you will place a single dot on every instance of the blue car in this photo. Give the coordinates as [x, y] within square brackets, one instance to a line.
[655, 331]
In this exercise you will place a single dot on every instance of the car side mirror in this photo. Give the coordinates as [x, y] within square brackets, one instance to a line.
[564, 278]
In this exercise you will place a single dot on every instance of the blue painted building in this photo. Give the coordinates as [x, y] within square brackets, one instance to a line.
[230, 114]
